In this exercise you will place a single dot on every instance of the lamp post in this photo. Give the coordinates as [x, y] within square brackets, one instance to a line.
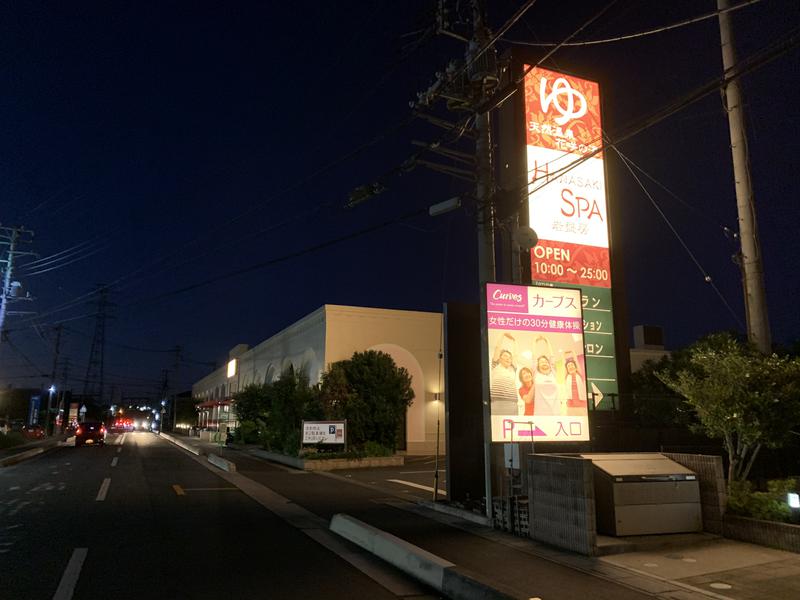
[52, 390]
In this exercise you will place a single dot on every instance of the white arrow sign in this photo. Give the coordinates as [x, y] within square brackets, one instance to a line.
[598, 395]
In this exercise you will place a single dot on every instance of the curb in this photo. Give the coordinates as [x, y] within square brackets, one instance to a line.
[21, 456]
[222, 463]
[184, 445]
[428, 568]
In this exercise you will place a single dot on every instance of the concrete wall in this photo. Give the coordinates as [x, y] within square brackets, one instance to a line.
[561, 502]
[713, 494]
[301, 345]
[783, 536]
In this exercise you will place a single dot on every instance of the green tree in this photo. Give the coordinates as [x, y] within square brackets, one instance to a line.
[372, 393]
[290, 395]
[747, 399]
[253, 402]
[652, 401]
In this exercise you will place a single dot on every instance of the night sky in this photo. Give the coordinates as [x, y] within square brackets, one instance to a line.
[163, 146]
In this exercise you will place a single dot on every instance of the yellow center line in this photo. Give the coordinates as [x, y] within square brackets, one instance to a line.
[178, 490]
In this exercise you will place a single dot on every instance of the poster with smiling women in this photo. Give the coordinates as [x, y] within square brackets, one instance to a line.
[537, 370]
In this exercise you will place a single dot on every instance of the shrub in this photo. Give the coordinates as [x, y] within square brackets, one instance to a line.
[248, 432]
[372, 393]
[768, 506]
[12, 438]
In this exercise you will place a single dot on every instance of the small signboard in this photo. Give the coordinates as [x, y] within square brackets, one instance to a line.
[33, 410]
[324, 432]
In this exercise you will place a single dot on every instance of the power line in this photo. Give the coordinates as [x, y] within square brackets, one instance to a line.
[631, 36]
[285, 257]
[706, 277]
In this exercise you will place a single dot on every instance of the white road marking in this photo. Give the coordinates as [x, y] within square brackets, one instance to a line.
[14, 526]
[417, 485]
[419, 472]
[101, 495]
[122, 439]
[69, 579]
[114, 461]
[13, 487]
[119, 450]
[18, 507]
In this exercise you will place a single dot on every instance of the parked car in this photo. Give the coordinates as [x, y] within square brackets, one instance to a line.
[33, 432]
[90, 432]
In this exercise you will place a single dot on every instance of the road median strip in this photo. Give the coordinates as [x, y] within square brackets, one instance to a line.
[437, 572]
[222, 463]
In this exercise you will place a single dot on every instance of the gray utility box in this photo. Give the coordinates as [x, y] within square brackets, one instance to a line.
[646, 493]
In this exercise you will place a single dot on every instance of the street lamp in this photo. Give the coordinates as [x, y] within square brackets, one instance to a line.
[52, 390]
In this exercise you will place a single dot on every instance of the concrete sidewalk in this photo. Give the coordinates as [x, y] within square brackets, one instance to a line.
[16, 454]
[491, 564]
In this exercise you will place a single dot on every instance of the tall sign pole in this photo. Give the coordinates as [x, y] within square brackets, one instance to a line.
[752, 268]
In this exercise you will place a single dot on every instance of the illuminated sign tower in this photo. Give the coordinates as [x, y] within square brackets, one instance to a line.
[566, 193]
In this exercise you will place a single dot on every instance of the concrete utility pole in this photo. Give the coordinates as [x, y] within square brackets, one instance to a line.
[177, 365]
[752, 268]
[486, 258]
[9, 236]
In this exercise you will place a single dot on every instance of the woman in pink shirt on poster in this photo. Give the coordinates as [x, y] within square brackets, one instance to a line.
[526, 392]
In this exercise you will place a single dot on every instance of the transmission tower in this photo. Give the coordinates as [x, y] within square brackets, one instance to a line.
[95, 369]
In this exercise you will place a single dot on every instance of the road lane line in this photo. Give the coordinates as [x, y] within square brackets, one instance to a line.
[119, 450]
[114, 461]
[69, 579]
[430, 472]
[211, 489]
[178, 490]
[101, 495]
[416, 485]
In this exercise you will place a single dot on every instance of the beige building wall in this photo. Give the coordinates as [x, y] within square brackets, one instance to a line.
[334, 333]
[413, 340]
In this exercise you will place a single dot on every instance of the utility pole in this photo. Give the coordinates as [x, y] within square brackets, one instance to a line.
[162, 395]
[95, 369]
[10, 236]
[486, 258]
[755, 297]
[177, 365]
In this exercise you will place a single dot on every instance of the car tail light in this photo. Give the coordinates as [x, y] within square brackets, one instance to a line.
[102, 430]
[78, 431]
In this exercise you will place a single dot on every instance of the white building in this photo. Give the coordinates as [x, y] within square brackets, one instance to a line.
[333, 333]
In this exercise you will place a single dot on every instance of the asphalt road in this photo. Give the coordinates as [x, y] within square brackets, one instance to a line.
[139, 518]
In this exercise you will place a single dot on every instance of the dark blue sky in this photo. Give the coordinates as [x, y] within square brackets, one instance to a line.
[183, 141]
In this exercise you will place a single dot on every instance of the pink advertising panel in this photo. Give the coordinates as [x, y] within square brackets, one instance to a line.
[537, 368]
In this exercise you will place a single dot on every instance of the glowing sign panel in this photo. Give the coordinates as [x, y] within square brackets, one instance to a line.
[537, 368]
[567, 207]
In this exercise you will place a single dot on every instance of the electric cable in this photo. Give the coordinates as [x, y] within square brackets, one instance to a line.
[285, 257]
[620, 38]
[706, 277]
